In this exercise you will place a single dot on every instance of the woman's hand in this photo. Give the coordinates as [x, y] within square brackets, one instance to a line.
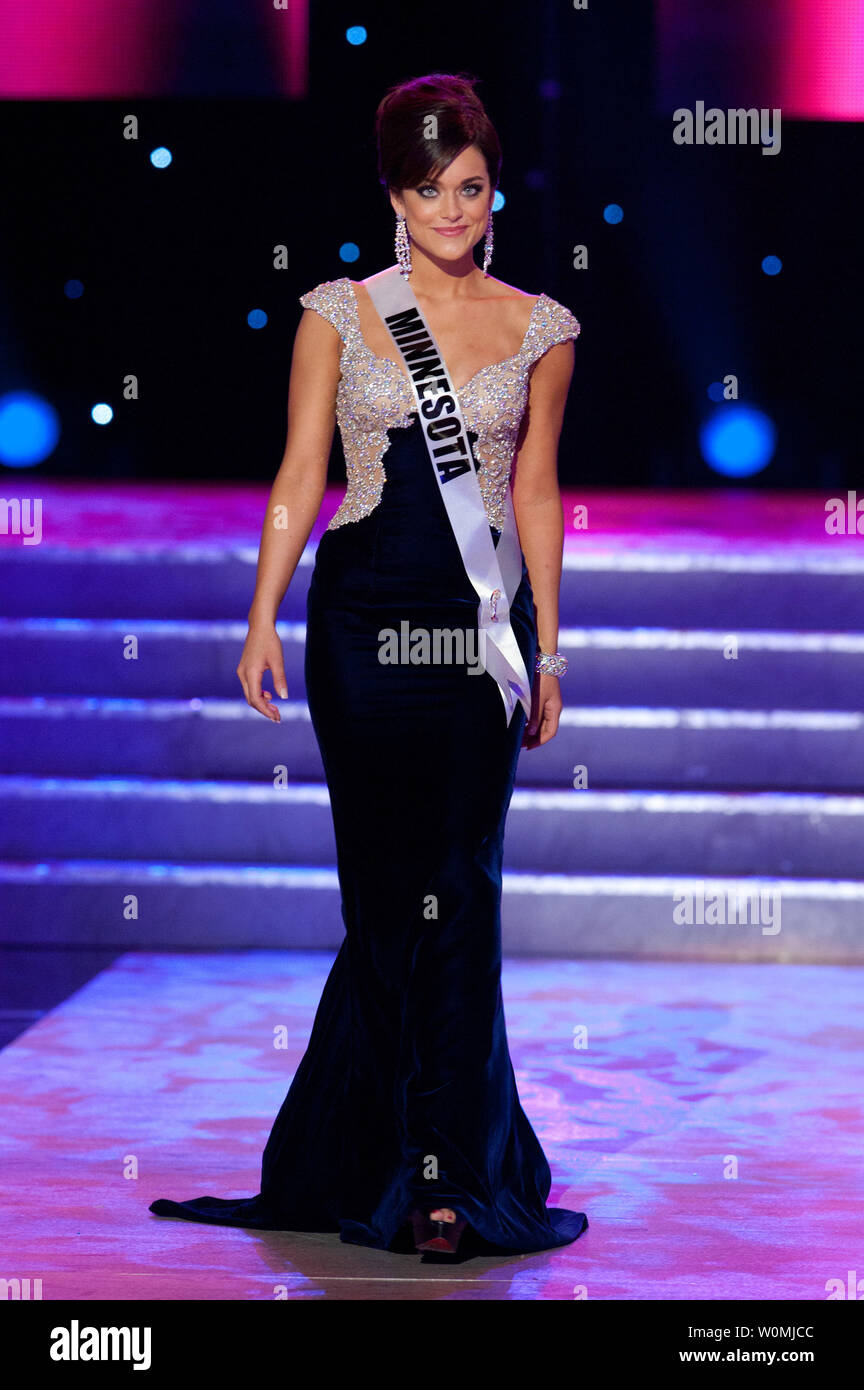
[546, 706]
[262, 652]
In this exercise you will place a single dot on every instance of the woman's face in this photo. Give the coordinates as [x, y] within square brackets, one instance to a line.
[447, 216]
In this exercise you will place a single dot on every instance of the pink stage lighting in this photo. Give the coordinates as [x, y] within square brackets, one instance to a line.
[804, 56]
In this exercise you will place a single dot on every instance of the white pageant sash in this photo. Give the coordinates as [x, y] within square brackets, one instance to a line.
[495, 572]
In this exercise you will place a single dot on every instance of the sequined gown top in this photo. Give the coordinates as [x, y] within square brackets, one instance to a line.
[374, 395]
[406, 1096]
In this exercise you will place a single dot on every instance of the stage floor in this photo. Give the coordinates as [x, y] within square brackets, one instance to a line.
[711, 1129]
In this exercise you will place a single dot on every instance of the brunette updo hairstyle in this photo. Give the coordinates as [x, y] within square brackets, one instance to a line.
[407, 153]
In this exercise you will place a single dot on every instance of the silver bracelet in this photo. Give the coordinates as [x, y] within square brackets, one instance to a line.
[550, 664]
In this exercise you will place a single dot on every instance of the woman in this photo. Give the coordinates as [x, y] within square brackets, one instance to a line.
[402, 1127]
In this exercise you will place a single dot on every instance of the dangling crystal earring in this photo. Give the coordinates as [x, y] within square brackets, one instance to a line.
[487, 246]
[403, 247]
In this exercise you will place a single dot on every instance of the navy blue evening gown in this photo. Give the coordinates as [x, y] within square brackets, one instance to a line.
[406, 1094]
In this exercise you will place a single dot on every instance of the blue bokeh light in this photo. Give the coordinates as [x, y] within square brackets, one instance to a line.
[160, 158]
[613, 212]
[349, 251]
[102, 414]
[356, 34]
[29, 429]
[772, 265]
[715, 391]
[256, 318]
[498, 201]
[737, 440]
[73, 289]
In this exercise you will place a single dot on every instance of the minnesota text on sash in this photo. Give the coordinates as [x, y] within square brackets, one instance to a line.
[429, 376]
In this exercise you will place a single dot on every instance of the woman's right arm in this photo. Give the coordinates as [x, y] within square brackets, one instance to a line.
[294, 502]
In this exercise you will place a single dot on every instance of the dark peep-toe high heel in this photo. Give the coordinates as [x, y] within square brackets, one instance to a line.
[436, 1237]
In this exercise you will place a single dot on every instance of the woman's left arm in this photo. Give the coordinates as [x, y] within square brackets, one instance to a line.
[540, 520]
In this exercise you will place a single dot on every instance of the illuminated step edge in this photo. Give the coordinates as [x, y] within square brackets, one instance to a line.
[197, 631]
[550, 831]
[588, 802]
[214, 907]
[657, 666]
[839, 555]
[61, 708]
[814, 587]
[619, 746]
[627, 552]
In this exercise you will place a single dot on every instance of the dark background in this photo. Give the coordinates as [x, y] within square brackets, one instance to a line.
[673, 298]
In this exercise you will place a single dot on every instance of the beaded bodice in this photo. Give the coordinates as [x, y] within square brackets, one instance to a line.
[375, 395]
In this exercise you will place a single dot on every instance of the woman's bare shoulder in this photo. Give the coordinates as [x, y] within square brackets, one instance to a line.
[511, 291]
[517, 305]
